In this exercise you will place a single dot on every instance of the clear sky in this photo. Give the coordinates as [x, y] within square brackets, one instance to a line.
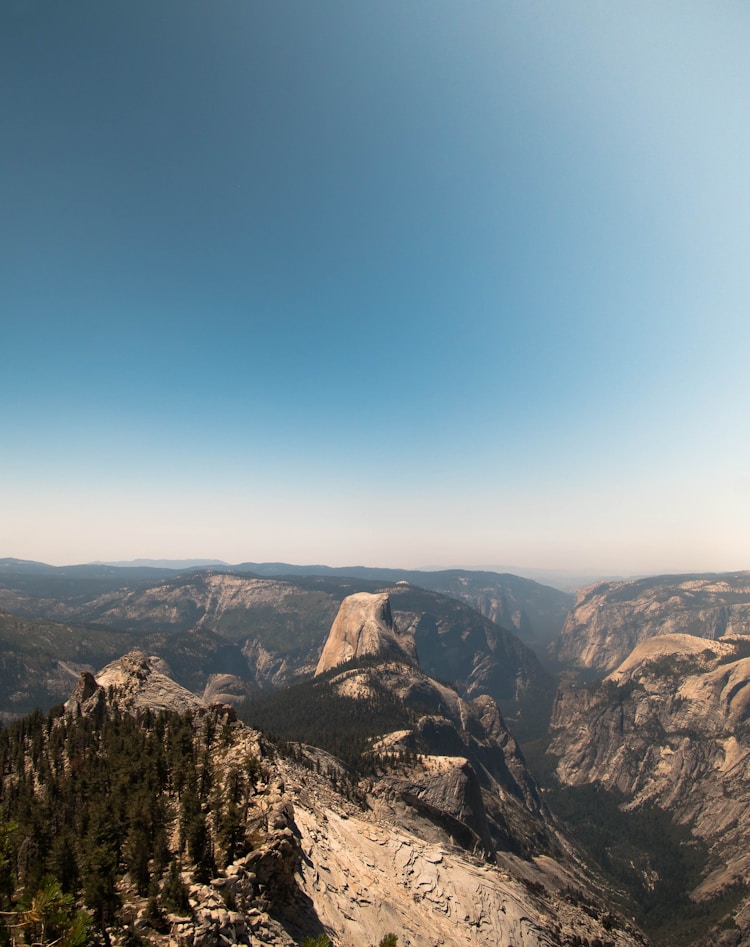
[387, 283]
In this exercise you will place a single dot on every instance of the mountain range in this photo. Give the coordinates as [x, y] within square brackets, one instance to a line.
[405, 694]
[232, 633]
[437, 832]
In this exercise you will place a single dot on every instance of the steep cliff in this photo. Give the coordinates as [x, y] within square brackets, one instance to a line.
[364, 627]
[609, 619]
[670, 728]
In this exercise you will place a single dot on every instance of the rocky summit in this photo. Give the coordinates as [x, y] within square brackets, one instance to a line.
[364, 627]
[133, 683]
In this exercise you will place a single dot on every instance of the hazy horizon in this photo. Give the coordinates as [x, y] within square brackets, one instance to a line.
[566, 579]
[377, 283]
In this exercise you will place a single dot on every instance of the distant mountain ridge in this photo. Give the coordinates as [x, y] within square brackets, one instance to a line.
[527, 606]
[232, 634]
[164, 563]
[534, 611]
[609, 619]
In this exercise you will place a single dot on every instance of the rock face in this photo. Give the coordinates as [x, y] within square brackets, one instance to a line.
[366, 877]
[364, 628]
[133, 683]
[326, 866]
[467, 773]
[459, 644]
[609, 619]
[669, 727]
[225, 689]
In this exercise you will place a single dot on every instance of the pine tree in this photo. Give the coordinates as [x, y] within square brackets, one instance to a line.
[50, 917]
[7, 857]
[99, 869]
[174, 893]
[64, 861]
[137, 855]
[200, 849]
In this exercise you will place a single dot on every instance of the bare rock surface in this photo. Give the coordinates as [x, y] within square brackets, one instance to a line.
[472, 778]
[134, 682]
[323, 865]
[365, 879]
[609, 619]
[364, 627]
[669, 727]
[226, 689]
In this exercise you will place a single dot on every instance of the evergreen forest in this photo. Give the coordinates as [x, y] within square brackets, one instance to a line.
[96, 808]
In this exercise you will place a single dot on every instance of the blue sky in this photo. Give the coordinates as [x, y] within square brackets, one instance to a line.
[394, 283]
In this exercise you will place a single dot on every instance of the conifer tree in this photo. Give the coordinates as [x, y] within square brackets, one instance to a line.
[174, 893]
[7, 880]
[99, 870]
[64, 861]
[50, 917]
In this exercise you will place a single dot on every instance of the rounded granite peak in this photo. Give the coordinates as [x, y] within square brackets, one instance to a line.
[364, 627]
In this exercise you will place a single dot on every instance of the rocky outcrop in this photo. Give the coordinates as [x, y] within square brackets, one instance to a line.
[133, 683]
[446, 790]
[364, 628]
[669, 727]
[609, 619]
[366, 876]
[471, 778]
[226, 689]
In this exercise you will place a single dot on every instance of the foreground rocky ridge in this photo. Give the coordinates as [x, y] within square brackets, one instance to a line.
[308, 855]
[670, 727]
[609, 619]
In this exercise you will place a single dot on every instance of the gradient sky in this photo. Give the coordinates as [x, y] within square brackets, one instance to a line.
[390, 283]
